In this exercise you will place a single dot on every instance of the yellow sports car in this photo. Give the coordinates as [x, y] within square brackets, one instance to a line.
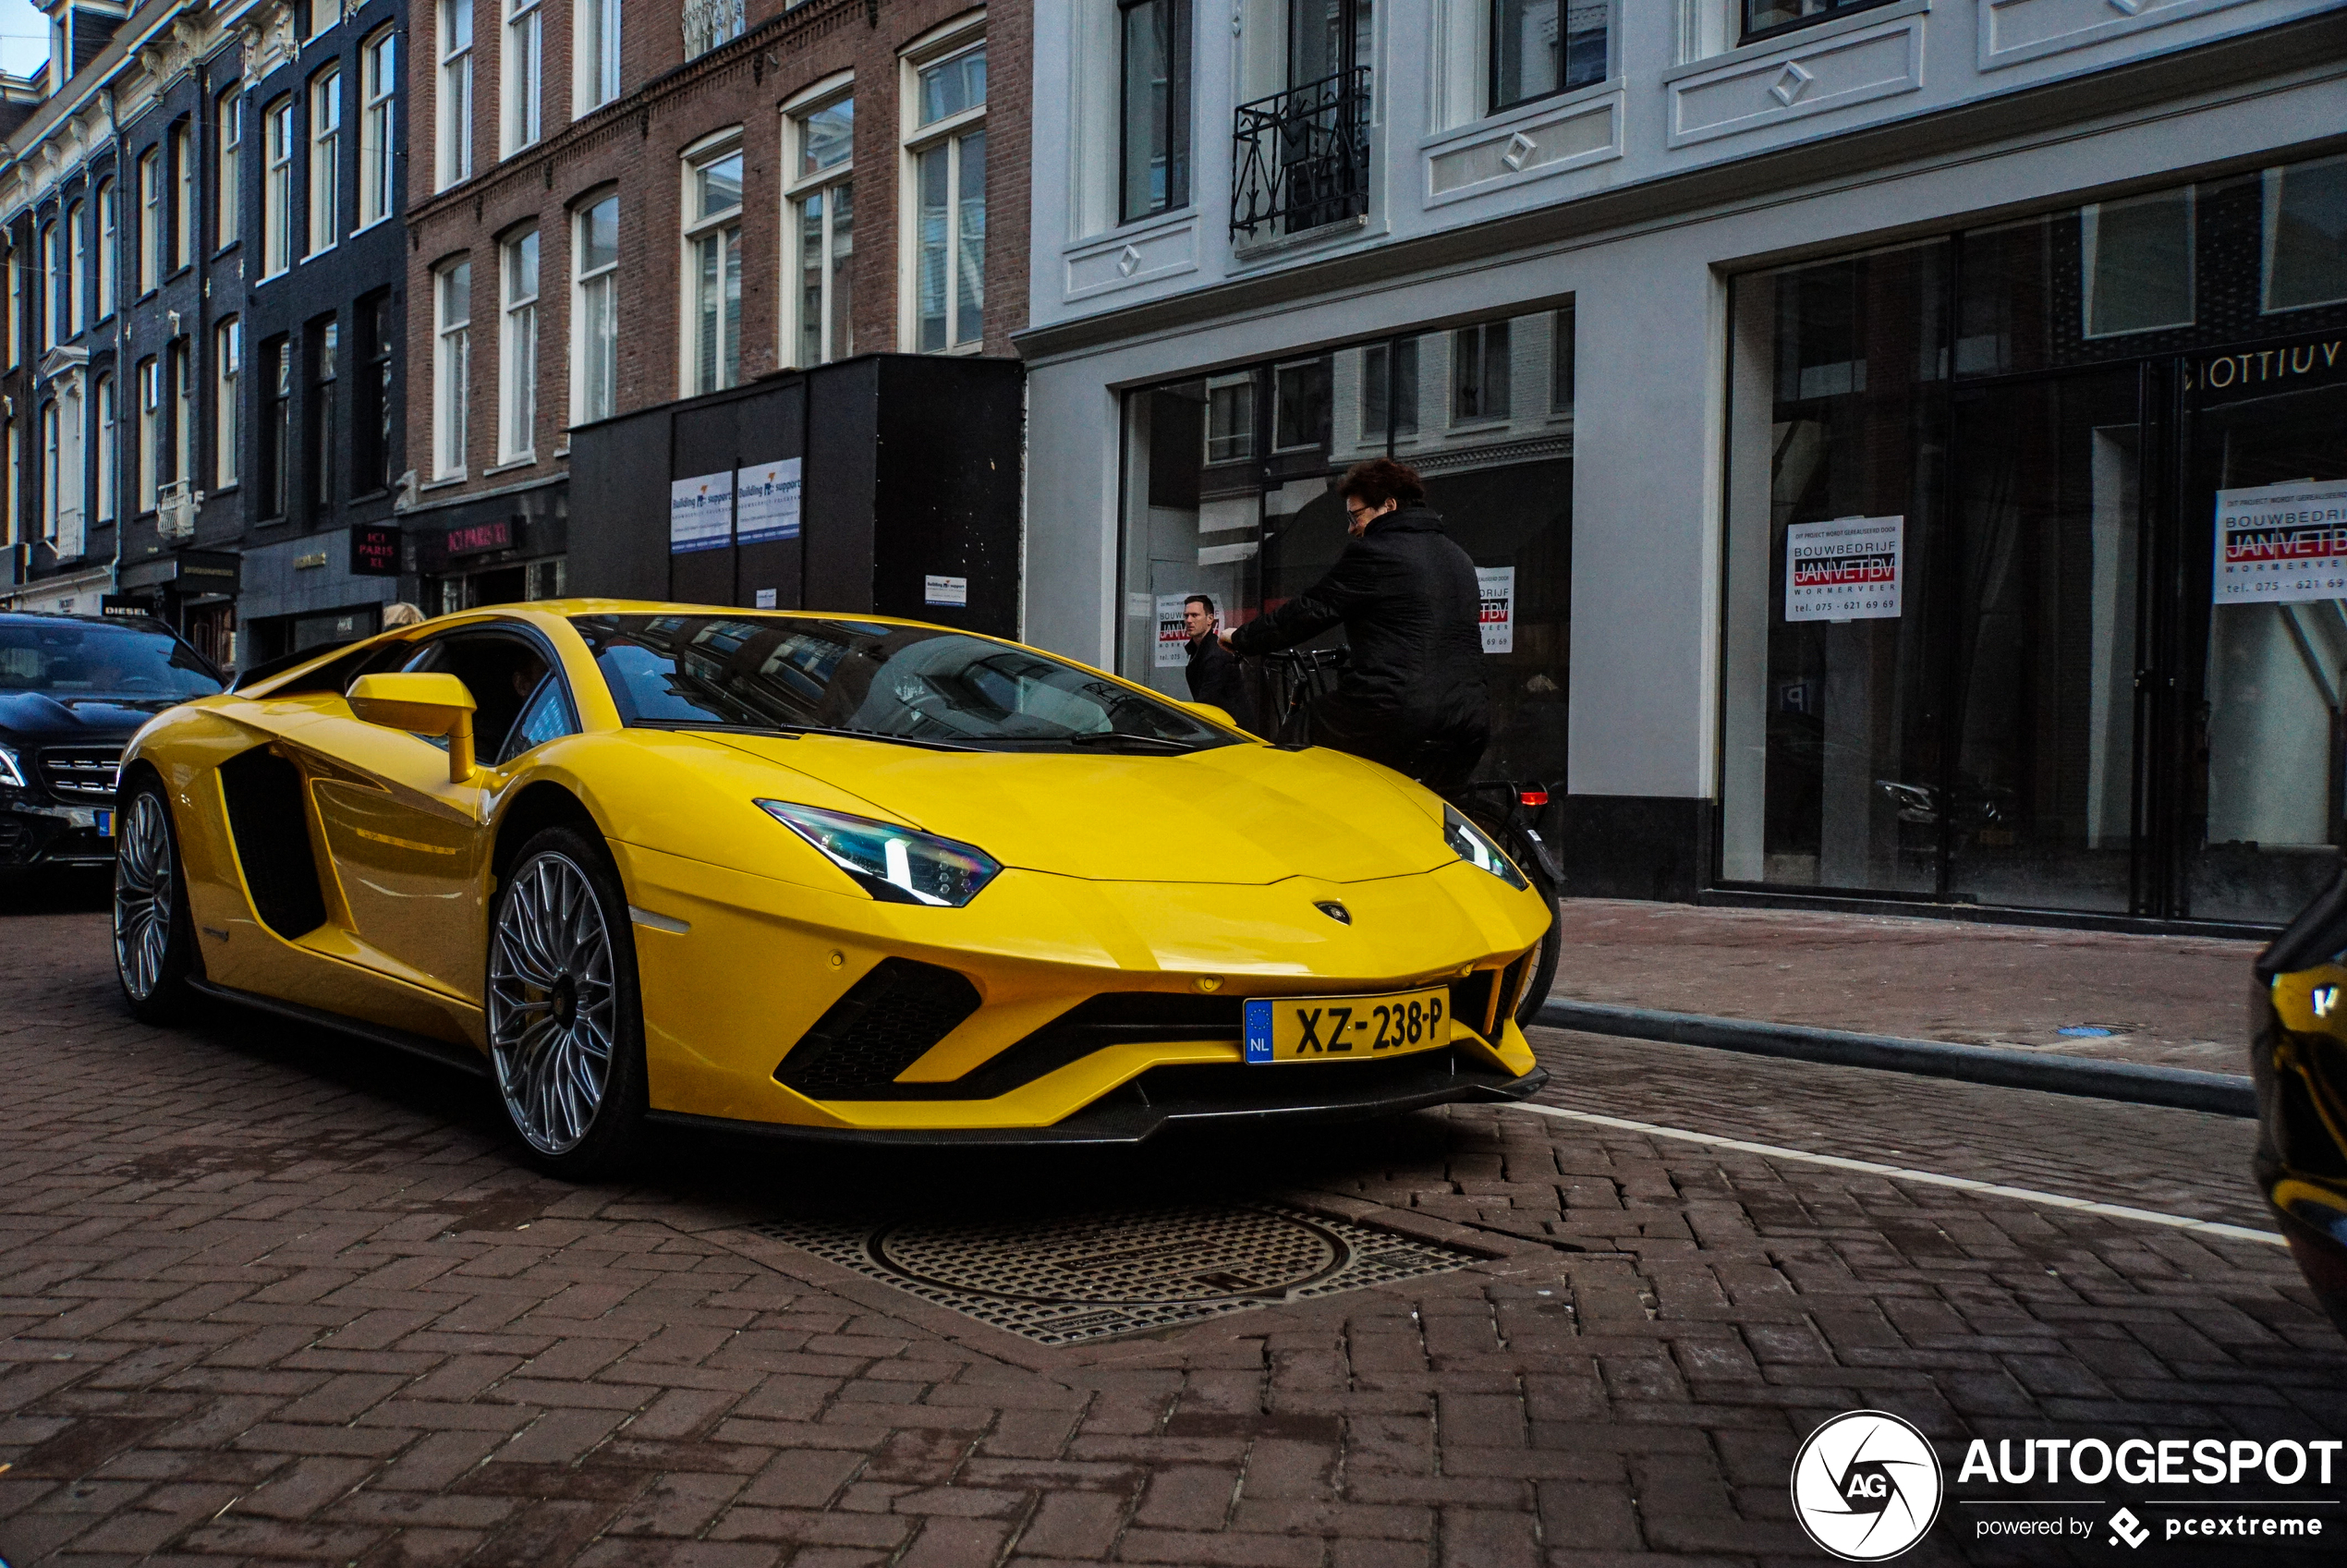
[848, 877]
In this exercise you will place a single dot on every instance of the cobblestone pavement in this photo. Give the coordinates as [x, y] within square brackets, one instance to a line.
[2171, 1000]
[270, 1297]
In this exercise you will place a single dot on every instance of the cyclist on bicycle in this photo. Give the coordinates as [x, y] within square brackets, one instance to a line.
[1412, 694]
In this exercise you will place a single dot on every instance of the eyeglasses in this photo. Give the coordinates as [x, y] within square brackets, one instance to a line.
[1358, 511]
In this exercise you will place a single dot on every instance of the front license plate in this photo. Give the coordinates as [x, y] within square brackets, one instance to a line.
[105, 824]
[1339, 1028]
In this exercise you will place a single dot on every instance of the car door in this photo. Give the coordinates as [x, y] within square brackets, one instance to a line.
[409, 847]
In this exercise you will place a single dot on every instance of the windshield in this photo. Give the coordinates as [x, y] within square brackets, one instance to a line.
[91, 659]
[916, 684]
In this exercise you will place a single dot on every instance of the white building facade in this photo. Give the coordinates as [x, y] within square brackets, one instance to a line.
[1839, 397]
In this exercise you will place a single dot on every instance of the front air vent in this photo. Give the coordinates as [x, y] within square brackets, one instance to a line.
[268, 820]
[1471, 1000]
[881, 1027]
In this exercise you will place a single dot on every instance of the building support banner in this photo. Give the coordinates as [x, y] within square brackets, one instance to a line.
[2281, 543]
[700, 513]
[1849, 569]
[766, 502]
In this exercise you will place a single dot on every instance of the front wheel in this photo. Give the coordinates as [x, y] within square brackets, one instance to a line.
[566, 1024]
[1544, 969]
[154, 947]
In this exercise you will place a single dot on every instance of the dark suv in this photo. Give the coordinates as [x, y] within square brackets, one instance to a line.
[73, 690]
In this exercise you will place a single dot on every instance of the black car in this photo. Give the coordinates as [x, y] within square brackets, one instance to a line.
[2298, 1053]
[73, 690]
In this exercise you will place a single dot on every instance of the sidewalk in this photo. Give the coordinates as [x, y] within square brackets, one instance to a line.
[2170, 1002]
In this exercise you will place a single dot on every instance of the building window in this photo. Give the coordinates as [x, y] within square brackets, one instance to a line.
[1154, 173]
[1229, 420]
[2305, 249]
[109, 234]
[51, 470]
[949, 185]
[149, 219]
[454, 160]
[53, 286]
[229, 107]
[1390, 391]
[1544, 46]
[708, 23]
[524, 63]
[452, 355]
[1766, 19]
[322, 409]
[16, 318]
[276, 427]
[822, 231]
[77, 269]
[597, 81]
[148, 453]
[326, 162]
[713, 268]
[2136, 264]
[1561, 387]
[183, 195]
[379, 81]
[372, 405]
[227, 368]
[183, 410]
[277, 190]
[1481, 366]
[318, 16]
[518, 349]
[104, 508]
[595, 353]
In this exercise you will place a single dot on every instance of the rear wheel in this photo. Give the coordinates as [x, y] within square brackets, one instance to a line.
[154, 934]
[566, 1024]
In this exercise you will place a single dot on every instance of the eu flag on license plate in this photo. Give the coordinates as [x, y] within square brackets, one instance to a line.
[1259, 1031]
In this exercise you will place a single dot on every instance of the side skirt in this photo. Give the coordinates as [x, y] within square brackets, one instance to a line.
[462, 1058]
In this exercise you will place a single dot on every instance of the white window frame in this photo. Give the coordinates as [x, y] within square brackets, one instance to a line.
[522, 91]
[453, 136]
[797, 188]
[150, 432]
[377, 133]
[181, 142]
[325, 160]
[451, 366]
[518, 347]
[276, 188]
[725, 229]
[227, 374]
[150, 167]
[52, 468]
[51, 267]
[109, 248]
[605, 278]
[182, 358]
[77, 270]
[104, 404]
[596, 30]
[227, 167]
[914, 139]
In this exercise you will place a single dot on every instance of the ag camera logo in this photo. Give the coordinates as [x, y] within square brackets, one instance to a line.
[1867, 1486]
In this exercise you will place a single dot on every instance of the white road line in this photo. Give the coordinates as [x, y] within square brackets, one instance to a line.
[1900, 1172]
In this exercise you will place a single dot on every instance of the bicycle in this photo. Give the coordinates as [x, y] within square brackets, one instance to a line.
[1507, 811]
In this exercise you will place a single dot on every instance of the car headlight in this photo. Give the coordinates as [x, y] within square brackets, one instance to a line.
[11, 774]
[895, 864]
[1471, 845]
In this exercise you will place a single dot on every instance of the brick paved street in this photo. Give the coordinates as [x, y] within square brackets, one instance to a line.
[272, 1296]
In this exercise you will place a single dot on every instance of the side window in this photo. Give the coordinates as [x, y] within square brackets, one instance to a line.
[548, 717]
[501, 670]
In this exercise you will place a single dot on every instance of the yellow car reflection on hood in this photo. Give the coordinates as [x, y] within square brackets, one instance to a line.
[853, 877]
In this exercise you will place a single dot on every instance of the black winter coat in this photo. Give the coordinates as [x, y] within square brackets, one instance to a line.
[1215, 677]
[1407, 599]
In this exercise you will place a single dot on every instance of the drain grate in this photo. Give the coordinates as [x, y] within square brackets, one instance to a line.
[1066, 1279]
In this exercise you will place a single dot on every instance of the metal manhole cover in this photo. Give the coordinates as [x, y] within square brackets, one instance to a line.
[1066, 1279]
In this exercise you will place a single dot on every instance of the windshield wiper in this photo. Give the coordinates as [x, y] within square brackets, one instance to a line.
[1121, 737]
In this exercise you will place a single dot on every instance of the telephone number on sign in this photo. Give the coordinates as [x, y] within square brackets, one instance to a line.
[2272, 588]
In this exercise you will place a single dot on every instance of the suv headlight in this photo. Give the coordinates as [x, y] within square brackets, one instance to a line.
[1471, 845]
[11, 774]
[894, 864]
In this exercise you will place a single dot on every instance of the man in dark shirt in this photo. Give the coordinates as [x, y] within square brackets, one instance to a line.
[1412, 694]
[1215, 672]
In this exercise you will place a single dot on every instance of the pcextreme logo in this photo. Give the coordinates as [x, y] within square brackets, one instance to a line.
[1867, 1486]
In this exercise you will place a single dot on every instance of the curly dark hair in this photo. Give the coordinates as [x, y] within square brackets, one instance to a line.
[1380, 479]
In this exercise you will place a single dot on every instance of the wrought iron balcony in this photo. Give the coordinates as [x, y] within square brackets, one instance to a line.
[1300, 159]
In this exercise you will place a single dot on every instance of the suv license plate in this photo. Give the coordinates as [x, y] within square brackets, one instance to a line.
[1337, 1028]
[105, 824]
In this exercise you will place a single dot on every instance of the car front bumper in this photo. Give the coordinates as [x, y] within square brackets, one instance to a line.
[36, 832]
[2300, 1067]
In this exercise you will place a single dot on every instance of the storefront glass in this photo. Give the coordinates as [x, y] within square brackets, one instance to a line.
[1980, 647]
[1230, 492]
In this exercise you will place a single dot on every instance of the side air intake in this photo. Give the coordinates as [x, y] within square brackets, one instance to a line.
[881, 1027]
[270, 825]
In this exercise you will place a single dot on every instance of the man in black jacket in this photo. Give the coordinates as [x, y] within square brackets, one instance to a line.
[1214, 673]
[1412, 694]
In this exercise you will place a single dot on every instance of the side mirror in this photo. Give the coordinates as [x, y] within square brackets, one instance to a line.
[436, 704]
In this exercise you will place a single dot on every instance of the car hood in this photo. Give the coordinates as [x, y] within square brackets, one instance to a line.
[37, 716]
[1243, 814]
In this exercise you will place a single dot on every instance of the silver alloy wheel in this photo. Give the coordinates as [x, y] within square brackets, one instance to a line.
[142, 896]
[552, 1004]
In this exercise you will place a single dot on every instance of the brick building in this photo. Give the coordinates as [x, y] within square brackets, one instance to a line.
[614, 208]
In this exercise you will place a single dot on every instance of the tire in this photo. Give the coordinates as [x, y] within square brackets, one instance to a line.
[1544, 971]
[154, 936]
[564, 1018]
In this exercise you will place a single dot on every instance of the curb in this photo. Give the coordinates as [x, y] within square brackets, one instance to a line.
[2179, 1089]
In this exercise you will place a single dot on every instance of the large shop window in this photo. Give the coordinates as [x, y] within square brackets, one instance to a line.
[1230, 492]
[1987, 640]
